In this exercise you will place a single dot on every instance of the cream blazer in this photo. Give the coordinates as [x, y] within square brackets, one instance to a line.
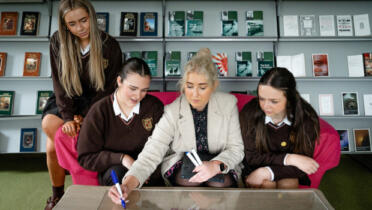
[174, 135]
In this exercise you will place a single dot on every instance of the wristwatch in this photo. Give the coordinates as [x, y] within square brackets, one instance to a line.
[222, 167]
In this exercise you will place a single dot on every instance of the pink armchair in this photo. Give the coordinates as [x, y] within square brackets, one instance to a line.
[327, 152]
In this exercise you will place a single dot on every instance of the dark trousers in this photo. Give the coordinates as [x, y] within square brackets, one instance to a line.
[104, 178]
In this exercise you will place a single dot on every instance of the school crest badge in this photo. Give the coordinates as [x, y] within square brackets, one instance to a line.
[147, 123]
[105, 63]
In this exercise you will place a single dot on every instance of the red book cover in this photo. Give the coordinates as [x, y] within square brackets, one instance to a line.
[2, 63]
[8, 24]
[367, 59]
[220, 61]
[32, 64]
[320, 65]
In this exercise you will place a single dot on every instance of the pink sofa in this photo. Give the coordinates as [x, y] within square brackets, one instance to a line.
[327, 152]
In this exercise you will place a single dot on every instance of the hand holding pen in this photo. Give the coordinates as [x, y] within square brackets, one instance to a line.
[129, 183]
[118, 188]
[204, 170]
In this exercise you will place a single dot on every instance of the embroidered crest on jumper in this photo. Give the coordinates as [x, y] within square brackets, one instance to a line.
[147, 123]
[105, 63]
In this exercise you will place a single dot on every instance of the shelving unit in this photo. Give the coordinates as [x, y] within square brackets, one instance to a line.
[338, 48]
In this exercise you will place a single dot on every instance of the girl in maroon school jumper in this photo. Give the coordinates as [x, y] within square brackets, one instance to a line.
[279, 131]
[85, 63]
[116, 128]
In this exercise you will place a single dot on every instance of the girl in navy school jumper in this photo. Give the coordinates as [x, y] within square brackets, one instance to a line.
[279, 131]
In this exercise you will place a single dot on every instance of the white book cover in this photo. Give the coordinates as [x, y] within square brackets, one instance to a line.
[361, 25]
[355, 64]
[290, 25]
[295, 64]
[307, 23]
[306, 97]
[344, 25]
[327, 25]
[326, 105]
[367, 104]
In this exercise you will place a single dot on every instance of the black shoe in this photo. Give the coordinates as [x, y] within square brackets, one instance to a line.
[51, 203]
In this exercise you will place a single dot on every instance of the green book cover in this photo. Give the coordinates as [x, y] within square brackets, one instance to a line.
[243, 64]
[173, 63]
[176, 23]
[132, 54]
[42, 98]
[6, 102]
[254, 22]
[229, 20]
[265, 62]
[151, 58]
[194, 23]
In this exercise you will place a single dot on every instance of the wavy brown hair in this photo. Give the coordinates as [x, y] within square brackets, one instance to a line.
[305, 122]
[71, 65]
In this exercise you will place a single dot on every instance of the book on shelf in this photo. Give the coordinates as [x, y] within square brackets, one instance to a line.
[326, 105]
[344, 139]
[367, 98]
[344, 25]
[191, 54]
[229, 23]
[151, 58]
[128, 24]
[320, 65]
[3, 56]
[367, 60]
[306, 97]
[176, 23]
[243, 64]
[194, 23]
[294, 63]
[290, 25]
[362, 140]
[355, 65]
[149, 24]
[361, 25]
[173, 63]
[327, 25]
[221, 62]
[28, 140]
[32, 64]
[265, 61]
[132, 54]
[255, 23]
[307, 25]
[30, 23]
[8, 23]
[42, 98]
[103, 20]
[350, 103]
[6, 102]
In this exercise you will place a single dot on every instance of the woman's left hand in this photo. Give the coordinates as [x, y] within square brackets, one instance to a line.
[205, 171]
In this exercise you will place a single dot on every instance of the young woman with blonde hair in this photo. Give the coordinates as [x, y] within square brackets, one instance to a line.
[200, 119]
[85, 63]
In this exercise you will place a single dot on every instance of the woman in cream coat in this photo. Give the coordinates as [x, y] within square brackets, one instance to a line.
[199, 119]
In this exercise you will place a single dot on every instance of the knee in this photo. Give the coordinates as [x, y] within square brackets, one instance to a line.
[50, 125]
[288, 183]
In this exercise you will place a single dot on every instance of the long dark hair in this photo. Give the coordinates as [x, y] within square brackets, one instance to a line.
[305, 122]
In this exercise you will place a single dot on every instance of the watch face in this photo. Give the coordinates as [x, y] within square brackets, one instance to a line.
[222, 167]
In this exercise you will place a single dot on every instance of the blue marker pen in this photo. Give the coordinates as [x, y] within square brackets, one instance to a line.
[114, 178]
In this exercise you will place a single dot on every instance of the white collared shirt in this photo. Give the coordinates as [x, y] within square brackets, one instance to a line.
[85, 51]
[285, 121]
[118, 111]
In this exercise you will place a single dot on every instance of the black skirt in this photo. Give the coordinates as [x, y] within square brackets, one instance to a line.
[51, 107]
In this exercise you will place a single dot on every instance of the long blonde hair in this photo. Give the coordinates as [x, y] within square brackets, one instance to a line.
[71, 65]
[201, 63]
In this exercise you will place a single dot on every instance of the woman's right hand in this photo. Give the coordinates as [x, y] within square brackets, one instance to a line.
[129, 183]
[69, 128]
[304, 163]
[127, 161]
